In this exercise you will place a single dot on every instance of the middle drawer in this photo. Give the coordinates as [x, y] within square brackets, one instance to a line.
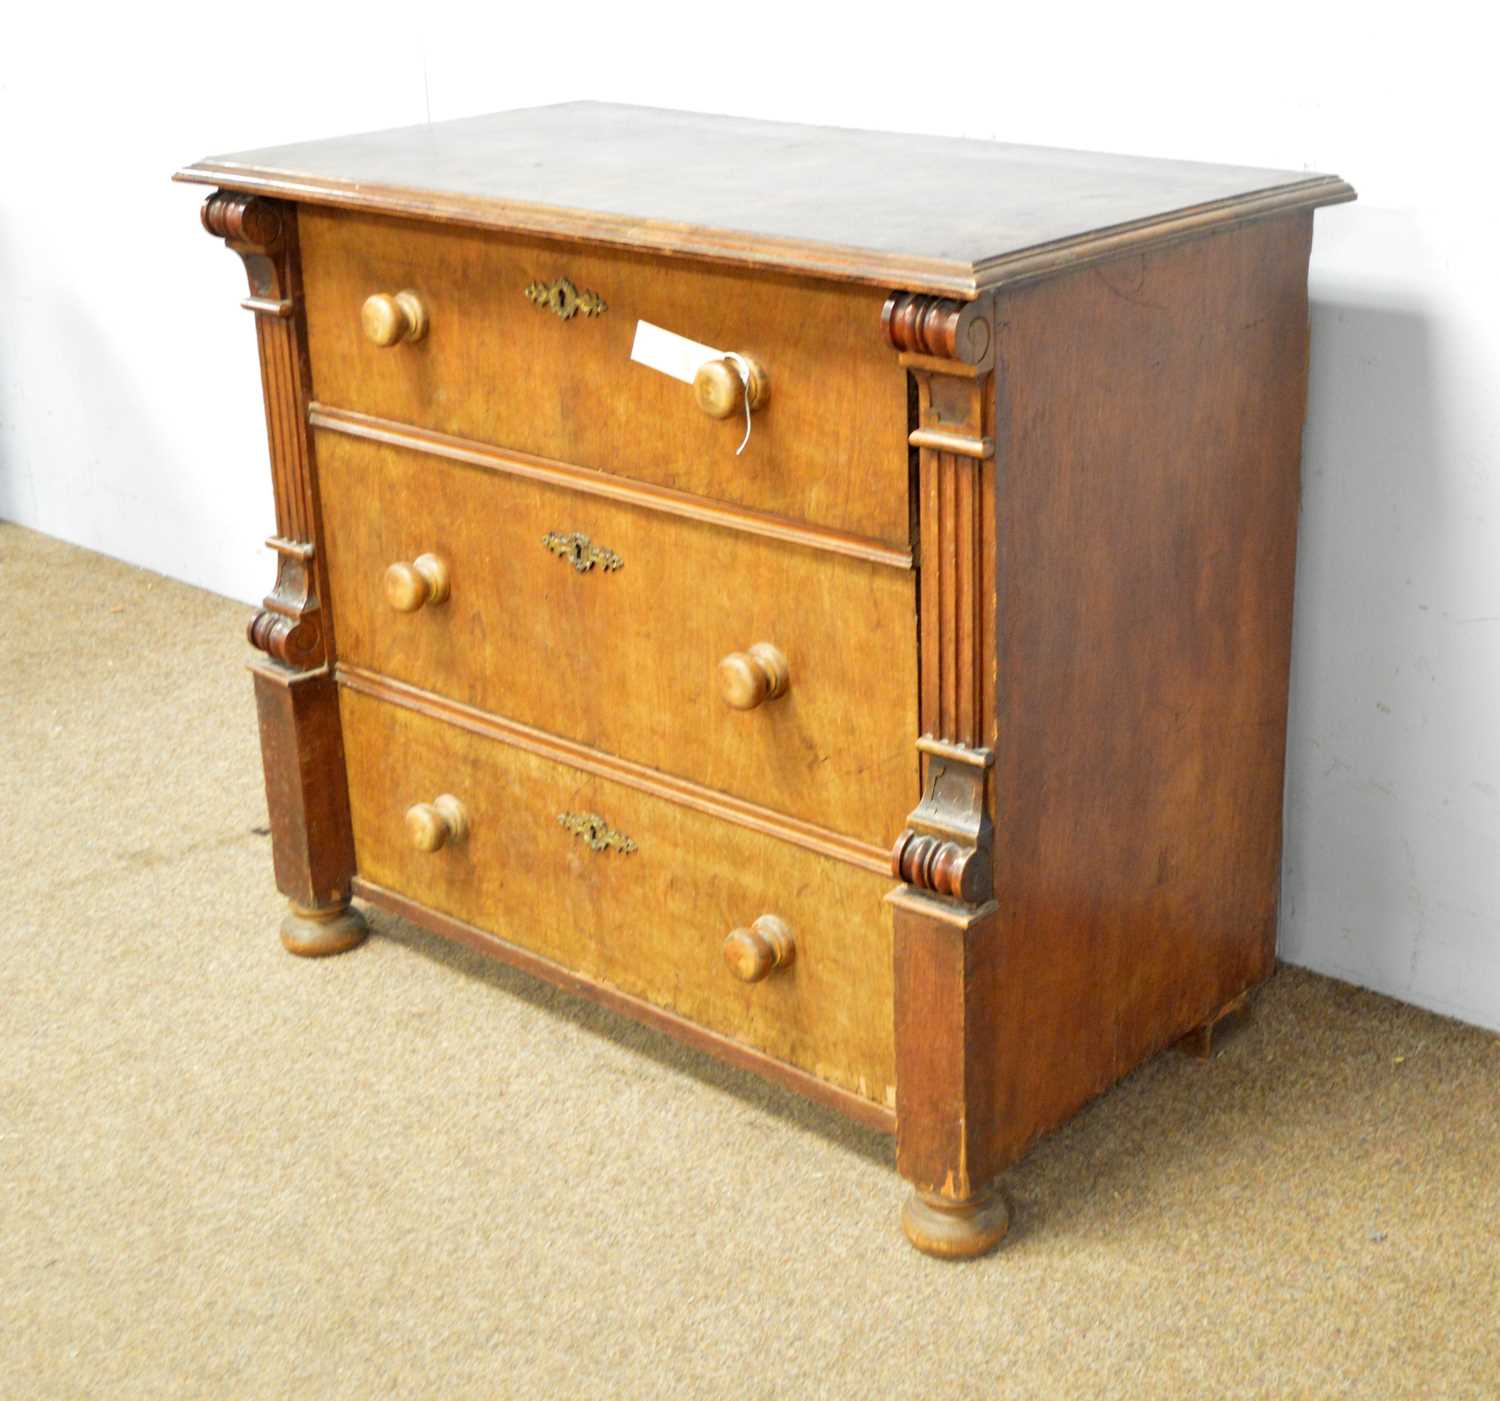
[656, 639]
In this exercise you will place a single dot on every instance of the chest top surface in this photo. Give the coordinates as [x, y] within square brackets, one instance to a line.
[926, 213]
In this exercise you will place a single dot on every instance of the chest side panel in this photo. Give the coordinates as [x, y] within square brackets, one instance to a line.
[1149, 441]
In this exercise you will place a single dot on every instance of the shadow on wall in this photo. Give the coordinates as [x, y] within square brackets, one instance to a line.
[1391, 873]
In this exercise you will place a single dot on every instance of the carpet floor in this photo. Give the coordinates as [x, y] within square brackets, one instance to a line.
[412, 1172]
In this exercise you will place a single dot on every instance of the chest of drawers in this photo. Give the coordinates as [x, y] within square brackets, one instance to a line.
[882, 686]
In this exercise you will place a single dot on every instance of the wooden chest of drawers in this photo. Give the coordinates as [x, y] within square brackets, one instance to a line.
[876, 674]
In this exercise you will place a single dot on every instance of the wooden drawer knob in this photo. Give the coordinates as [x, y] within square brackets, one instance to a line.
[757, 952]
[720, 391]
[442, 822]
[409, 586]
[389, 320]
[749, 678]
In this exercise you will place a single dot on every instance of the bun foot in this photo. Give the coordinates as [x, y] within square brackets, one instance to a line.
[954, 1230]
[316, 933]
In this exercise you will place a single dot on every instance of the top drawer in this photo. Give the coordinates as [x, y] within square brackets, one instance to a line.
[829, 446]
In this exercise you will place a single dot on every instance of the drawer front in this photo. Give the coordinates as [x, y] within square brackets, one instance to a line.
[606, 623]
[628, 890]
[829, 446]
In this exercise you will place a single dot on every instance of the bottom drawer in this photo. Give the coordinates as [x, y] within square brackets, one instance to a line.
[629, 890]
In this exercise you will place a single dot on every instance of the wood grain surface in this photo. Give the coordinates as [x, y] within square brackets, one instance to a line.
[649, 920]
[946, 1111]
[1149, 436]
[626, 659]
[683, 792]
[880, 1117]
[586, 481]
[828, 448]
[921, 212]
[639, 707]
[292, 625]
[302, 752]
[956, 548]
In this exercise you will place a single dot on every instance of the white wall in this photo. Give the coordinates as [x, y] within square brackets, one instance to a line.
[130, 418]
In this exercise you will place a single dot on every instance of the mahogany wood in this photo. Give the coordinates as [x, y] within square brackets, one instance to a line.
[1144, 648]
[1004, 575]
[945, 921]
[290, 626]
[686, 794]
[827, 447]
[922, 213]
[947, 1094]
[585, 482]
[879, 1117]
[301, 745]
[649, 919]
[956, 541]
[312, 847]
[628, 660]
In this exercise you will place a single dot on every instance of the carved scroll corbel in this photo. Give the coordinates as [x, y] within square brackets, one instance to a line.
[939, 328]
[263, 232]
[946, 848]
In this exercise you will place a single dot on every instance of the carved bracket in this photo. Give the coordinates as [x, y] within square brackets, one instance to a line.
[946, 848]
[940, 329]
[255, 228]
[289, 627]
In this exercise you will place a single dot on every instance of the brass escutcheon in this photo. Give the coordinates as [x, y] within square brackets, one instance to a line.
[581, 552]
[595, 832]
[564, 300]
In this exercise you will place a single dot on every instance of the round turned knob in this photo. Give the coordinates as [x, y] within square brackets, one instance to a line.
[409, 586]
[389, 320]
[749, 678]
[720, 391]
[757, 952]
[442, 822]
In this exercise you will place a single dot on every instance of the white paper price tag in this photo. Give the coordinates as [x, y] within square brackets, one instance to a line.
[670, 353]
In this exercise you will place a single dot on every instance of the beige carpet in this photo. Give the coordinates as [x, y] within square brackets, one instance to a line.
[410, 1172]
